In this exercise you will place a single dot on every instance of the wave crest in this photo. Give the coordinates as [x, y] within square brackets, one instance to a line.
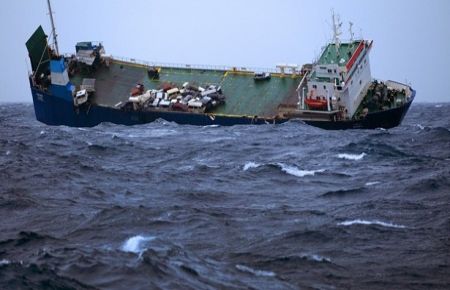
[289, 169]
[373, 222]
[292, 170]
[136, 244]
[255, 272]
[354, 157]
[250, 165]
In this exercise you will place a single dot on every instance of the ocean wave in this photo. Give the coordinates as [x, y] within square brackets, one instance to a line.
[28, 237]
[250, 165]
[316, 258]
[141, 133]
[288, 169]
[136, 244]
[354, 157]
[255, 272]
[37, 276]
[342, 192]
[292, 170]
[374, 147]
[373, 222]
[372, 183]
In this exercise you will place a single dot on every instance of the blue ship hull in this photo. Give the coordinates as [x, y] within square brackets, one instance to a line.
[53, 110]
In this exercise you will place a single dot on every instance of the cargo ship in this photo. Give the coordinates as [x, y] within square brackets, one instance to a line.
[89, 86]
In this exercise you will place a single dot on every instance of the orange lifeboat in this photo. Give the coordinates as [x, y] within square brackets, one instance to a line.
[317, 104]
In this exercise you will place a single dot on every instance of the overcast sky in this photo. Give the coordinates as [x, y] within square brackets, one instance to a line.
[411, 37]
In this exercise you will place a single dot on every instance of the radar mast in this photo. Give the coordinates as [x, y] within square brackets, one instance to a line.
[55, 36]
[337, 25]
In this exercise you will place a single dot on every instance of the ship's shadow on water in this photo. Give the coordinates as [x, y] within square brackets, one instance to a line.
[164, 206]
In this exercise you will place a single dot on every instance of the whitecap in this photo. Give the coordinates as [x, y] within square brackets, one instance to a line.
[374, 222]
[42, 132]
[316, 258]
[211, 126]
[136, 244]
[292, 170]
[8, 153]
[250, 165]
[354, 157]
[372, 183]
[438, 106]
[255, 272]
[4, 262]
[420, 127]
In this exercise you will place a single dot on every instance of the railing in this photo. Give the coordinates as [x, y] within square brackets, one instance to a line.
[398, 86]
[197, 66]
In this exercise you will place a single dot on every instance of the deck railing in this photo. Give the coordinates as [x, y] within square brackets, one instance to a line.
[197, 66]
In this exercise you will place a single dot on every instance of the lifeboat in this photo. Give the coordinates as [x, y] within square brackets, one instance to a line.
[317, 104]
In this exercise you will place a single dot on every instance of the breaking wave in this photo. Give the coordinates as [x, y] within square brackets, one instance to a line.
[250, 165]
[288, 169]
[372, 183]
[354, 157]
[292, 170]
[373, 222]
[136, 244]
[316, 258]
[255, 272]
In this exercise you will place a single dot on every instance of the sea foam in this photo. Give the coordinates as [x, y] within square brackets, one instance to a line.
[292, 170]
[316, 258]
[372, 183]
[136, 244]
[354, 157]
[374, 222]
[250, 165]
[255, 272]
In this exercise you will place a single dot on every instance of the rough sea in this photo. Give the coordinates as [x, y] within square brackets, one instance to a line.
[164, 206]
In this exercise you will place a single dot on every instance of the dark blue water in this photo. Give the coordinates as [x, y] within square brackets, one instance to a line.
[163, 206]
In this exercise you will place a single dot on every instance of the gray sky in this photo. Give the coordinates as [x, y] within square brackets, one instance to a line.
[411, 37]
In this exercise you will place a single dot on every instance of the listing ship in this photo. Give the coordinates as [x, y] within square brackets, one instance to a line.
[88, 87]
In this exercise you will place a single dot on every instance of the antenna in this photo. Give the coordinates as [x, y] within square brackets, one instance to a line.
[337, 24]
[55, 37]
[350, 30]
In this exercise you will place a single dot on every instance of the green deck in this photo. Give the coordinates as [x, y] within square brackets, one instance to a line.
[331, 56]
[244, 96]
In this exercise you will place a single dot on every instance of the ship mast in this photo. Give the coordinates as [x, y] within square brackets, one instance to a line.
[55, 37]
[337, 24]
[350, 30]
